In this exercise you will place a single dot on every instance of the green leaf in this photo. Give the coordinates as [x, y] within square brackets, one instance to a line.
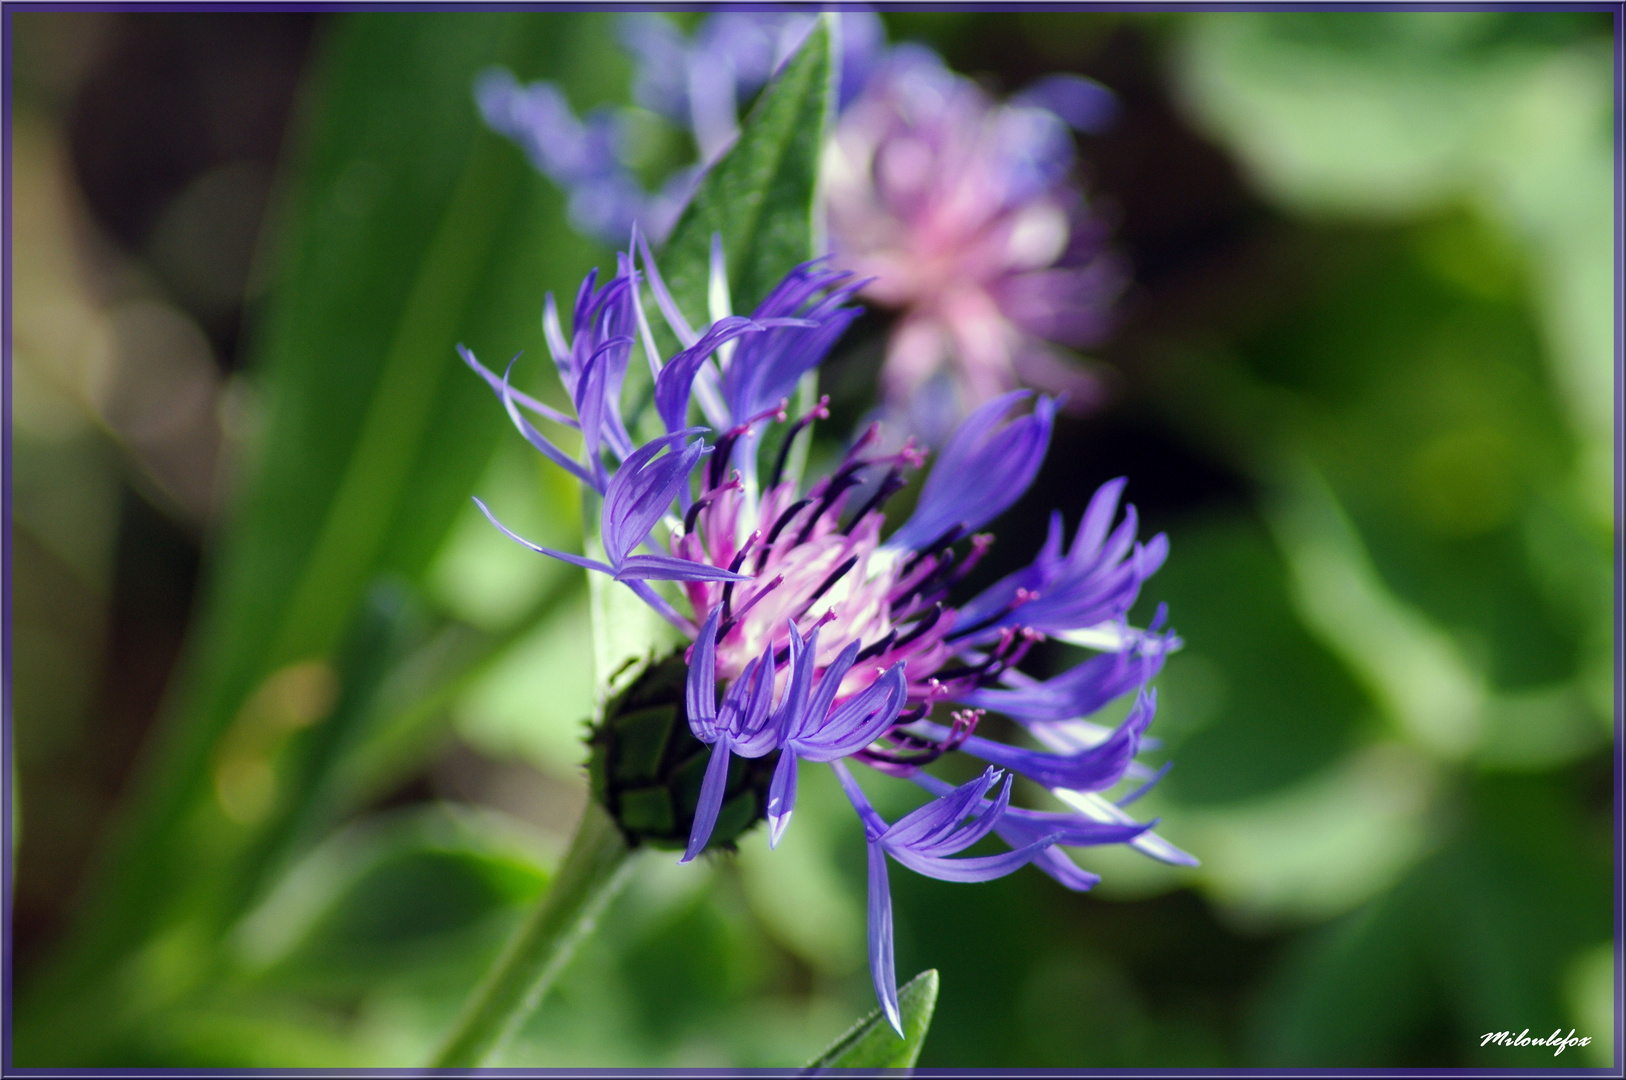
[388, 625]
[1370, 964]
[759, 196]
[404, 725]
[417, 893]
[872, 1044]
[403, 228]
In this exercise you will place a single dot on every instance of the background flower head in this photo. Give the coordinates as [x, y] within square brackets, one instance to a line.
[967, 215]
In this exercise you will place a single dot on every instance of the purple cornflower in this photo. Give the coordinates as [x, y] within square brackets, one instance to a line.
[815, 636]
[700, 82]
[581, 156]
[965, 215]
[696, 83]
[964, 212]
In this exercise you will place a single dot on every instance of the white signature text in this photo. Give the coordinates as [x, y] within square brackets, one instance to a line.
[1557, 1039]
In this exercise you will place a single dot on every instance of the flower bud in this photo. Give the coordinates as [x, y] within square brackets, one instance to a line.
[646, 765]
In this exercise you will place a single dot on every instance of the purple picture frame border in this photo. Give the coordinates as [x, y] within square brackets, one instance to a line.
[1620, 541]
[340, 6]
[7, 1069]
[6, 746]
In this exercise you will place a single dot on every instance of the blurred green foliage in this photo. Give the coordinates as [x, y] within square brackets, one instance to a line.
[405, 227]
[1392, 720]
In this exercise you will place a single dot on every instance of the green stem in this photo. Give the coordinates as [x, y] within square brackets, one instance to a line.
[593, 871]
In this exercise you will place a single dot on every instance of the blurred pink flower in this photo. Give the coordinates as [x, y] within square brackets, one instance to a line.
[966, 214]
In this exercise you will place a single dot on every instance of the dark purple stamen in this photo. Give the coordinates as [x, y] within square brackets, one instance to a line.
[994, 664]
[734, 568]
[1022, 596]
[725, 444]
[917, 713]
[821, 411]
[1012, 647]
[929, 585]
[910, 757]
[837, 487]
[980, 543]
[719, 459]
[835, 575]
[890, 486]
[693, 515]
[869, 652]
[965, 723]
[949, 536]
[914, 751]
[784, 519]
[946, 576]
[731, 621]
[964, 671]
[870, 434]
[921, 627]
[1011, 658]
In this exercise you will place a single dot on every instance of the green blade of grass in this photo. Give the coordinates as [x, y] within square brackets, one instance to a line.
[872, 1044]
[760, 195]
[404, 228]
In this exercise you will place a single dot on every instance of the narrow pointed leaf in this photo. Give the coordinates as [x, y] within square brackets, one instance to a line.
[872, 1044]
[758, 197]
[395, 242]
